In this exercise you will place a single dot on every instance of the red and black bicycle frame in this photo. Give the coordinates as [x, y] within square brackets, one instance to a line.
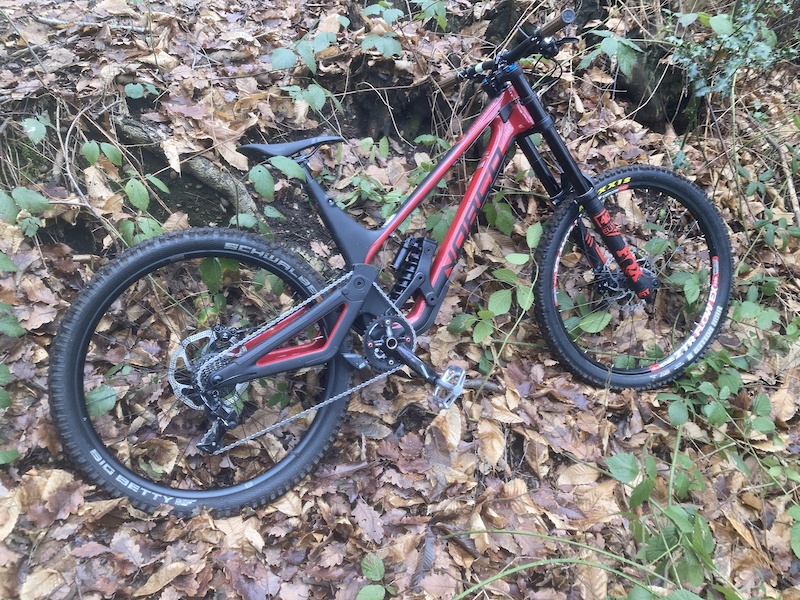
[513, 114]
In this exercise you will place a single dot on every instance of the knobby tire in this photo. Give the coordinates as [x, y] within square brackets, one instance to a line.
[110, 394]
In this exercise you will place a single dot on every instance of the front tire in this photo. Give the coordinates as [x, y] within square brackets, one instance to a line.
[591, 319]
[113, 374]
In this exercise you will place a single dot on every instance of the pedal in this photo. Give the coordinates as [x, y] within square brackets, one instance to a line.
[358, 361]
[448, 387]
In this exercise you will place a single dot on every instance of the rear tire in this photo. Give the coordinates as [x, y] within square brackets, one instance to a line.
[596, 326]
[112, 394]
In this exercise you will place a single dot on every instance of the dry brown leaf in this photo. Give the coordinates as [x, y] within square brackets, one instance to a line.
[160, 579]
[368, 520]
[492, 442]
[592, 581]
[41, 584]
[578, 474]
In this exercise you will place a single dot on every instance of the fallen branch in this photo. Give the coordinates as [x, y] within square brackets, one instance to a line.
[60, 23]
[205, 171]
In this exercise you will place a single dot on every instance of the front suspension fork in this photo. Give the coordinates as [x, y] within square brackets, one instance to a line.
[642, 284]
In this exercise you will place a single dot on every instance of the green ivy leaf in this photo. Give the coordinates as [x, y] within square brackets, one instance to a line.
[5, 398]
[211, 274]
[112, 153]
[763, 424]
[372, 592]
[506, 276]
[639, 592]
[595, 322]
[386, 45]
[137, 194]
[244, 220]
[8, 208]
[500, 302]
[288, 167]
[8, 456]
[525, 297]
[721, 24]
[678, 413]
[372, 567]
[283, 58]
[518, 258]
[505, 219]
[157, 183]
[315, 96]
[624, 467]
[30, 200]
[6, 264]
[262, 181]
[794, 539]
[91, 151]
[460, 323]
[715, 413]
[101, 400]
[273, 213]
[767, 318]
[134, 91]
[482, 330]
[533, 235]
[34, 129]
[641, 493]
[5, 375]
[306, 53]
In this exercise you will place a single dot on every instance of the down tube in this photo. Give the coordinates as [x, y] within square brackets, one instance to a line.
[503, 135]
[428, 184]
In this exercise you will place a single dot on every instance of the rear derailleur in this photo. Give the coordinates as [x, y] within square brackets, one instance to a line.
[188, 377]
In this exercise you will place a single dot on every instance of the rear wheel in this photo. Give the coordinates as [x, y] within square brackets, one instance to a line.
[125, 361]
[591, 318]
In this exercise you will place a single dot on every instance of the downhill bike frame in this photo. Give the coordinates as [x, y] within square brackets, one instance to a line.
[514, 113]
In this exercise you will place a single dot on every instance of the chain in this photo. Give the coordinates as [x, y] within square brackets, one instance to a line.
[300, 415]
[337, 396]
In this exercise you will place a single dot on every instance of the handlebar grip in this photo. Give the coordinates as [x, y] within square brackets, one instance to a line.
[555, 25]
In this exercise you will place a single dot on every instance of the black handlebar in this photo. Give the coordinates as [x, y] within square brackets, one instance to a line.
[535, 42]
[549, 29]
[538, 42]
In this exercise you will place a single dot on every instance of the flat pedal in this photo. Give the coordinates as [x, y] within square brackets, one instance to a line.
[448, 387]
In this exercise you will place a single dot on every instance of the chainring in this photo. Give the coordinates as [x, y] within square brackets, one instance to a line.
[383, 335]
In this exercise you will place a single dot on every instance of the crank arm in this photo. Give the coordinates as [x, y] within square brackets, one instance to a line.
[263, 356]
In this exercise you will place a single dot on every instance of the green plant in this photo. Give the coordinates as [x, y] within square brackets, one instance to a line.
[136, 188]
[23, 208]
[514, 290]
[433, 10]
[373, 569]
[729, 42]
[626, 51]
[383, 39]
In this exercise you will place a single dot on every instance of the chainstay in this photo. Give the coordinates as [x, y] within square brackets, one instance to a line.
[343, 394]
[230, 353]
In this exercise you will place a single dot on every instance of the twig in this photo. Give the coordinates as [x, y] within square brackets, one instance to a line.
[787, 173]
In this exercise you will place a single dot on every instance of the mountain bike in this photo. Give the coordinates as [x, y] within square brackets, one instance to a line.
[212, 367]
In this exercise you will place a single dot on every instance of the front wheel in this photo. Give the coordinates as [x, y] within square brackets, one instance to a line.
[124, 370]
[587, 311]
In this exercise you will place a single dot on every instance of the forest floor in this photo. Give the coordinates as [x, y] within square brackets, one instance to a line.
[519, 473]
